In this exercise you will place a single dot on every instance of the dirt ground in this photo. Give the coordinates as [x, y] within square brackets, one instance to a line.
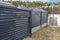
[48, 33]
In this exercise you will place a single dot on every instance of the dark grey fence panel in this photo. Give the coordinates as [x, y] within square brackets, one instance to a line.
[14, 24]
[35, 19]
[44, 18]
[7, 24]
[22, 24]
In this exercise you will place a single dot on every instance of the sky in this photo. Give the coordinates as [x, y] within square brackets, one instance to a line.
[54, 0]
[40, 0]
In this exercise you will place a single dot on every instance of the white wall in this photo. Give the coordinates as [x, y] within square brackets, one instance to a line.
[58, 18]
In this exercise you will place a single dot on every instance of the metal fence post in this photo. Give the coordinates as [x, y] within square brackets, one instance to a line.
[30, 23]
[40, 19]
